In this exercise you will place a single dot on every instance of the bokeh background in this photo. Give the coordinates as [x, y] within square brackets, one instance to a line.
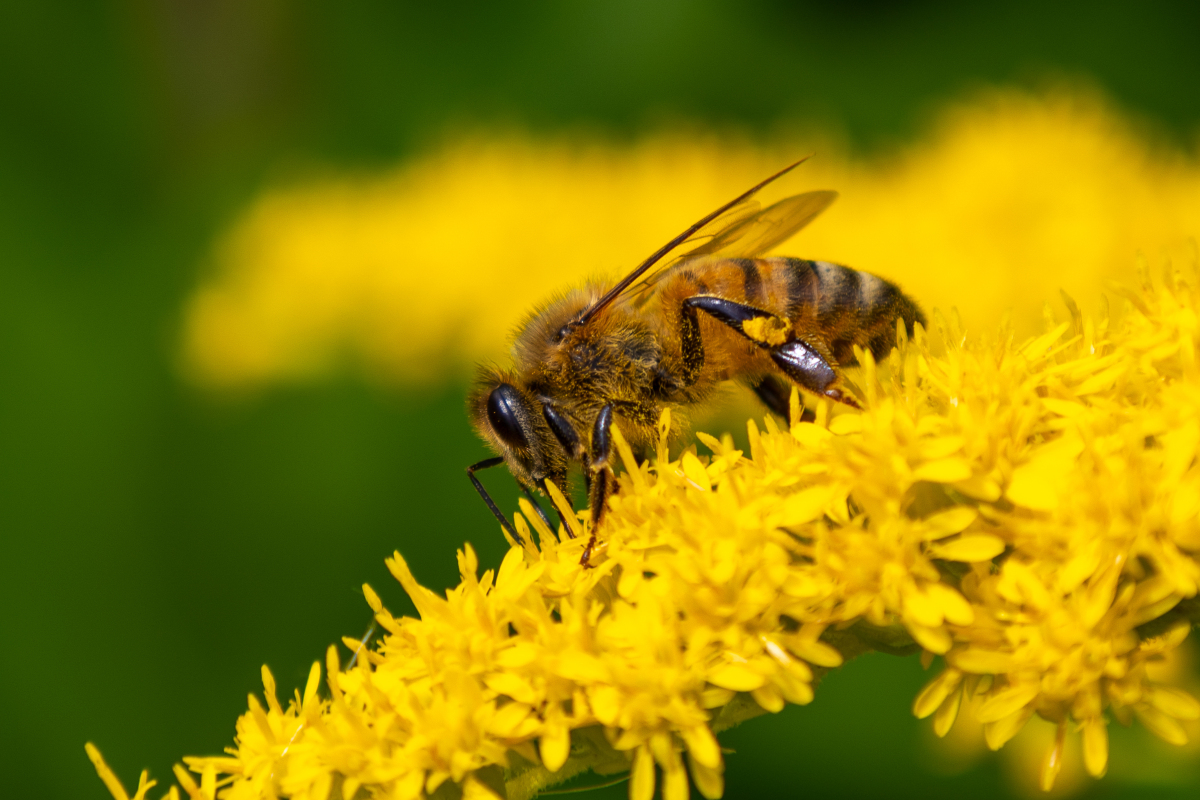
[163, 535]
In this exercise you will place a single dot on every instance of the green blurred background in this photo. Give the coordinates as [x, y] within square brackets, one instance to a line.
[160, 544]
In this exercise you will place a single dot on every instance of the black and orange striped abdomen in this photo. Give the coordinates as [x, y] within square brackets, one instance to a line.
[830, 306]
[842, 306]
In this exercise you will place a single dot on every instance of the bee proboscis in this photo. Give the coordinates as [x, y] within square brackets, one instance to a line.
[668, 334]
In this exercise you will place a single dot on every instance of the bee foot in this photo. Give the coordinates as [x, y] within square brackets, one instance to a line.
[842, 397]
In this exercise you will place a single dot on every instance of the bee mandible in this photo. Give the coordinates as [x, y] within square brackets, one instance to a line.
[668, 334]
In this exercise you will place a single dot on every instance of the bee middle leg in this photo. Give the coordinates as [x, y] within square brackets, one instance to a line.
[602, 476]
[795, 358]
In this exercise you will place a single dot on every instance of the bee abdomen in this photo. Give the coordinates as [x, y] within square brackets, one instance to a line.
[845, 306]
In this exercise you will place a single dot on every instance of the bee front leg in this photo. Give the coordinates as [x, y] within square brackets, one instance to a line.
[568, 437]
[536, 505]
[602, 475]
[796, 358]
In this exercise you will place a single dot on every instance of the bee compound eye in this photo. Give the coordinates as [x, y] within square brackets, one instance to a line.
[504, 415]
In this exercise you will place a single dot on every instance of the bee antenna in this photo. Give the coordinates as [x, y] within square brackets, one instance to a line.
[488, 463]
[658, 254]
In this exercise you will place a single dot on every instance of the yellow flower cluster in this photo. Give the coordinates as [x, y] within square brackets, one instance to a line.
[1027, 512]
[426, 267]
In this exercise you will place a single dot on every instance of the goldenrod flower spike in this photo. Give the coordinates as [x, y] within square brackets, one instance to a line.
[1028, 511]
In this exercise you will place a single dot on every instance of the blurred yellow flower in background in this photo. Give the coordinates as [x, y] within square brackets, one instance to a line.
[412, 275]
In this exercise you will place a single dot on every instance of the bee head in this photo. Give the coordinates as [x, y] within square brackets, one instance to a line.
[510, 419]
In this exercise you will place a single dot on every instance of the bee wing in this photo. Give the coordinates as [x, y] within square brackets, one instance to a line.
[732, 220]
[756, 233]
[748, 232]
[738, 221]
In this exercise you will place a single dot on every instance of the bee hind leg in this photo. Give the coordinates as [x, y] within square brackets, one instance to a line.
[795, 358]
[776, 395]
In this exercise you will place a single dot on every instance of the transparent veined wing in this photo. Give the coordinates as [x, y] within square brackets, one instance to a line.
[738, 228]
[747, 233]
[756, 233]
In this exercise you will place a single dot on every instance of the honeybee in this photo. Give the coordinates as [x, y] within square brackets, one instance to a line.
[668, 334]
